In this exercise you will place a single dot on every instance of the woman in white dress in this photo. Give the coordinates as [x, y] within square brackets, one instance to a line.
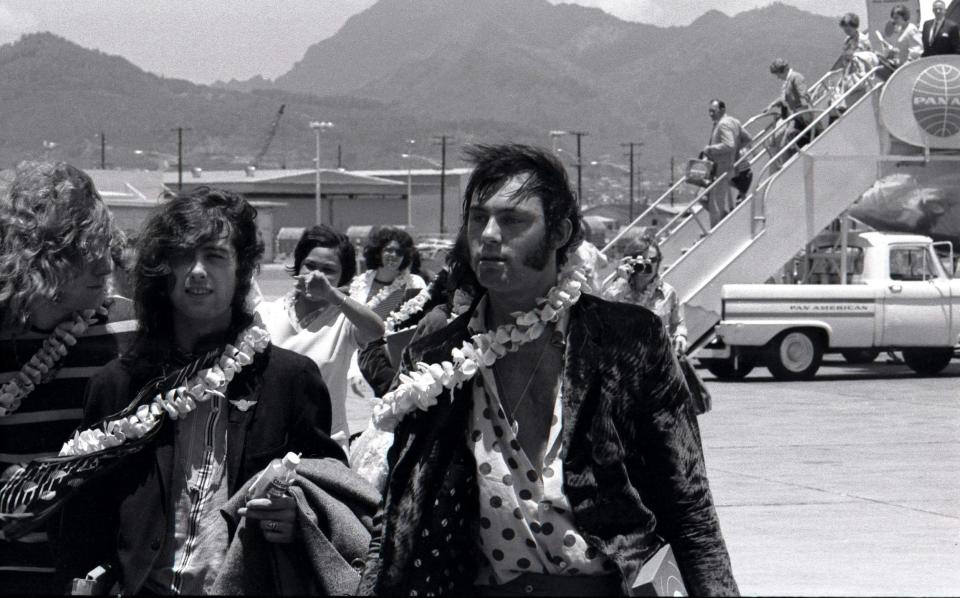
[320, 320]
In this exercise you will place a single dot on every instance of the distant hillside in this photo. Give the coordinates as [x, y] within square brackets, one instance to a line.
[565, 66]
[478, 70]
[52, 90]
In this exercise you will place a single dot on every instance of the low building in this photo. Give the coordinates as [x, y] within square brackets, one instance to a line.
[348, 198]
[132, 195]
[424, 187]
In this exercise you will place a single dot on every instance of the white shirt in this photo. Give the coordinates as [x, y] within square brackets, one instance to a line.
[329, 340]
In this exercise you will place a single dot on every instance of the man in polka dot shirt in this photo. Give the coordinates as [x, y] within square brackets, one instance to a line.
[566, 464]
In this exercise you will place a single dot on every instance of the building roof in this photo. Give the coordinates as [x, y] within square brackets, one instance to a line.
[123, 186]
[296, 176]
[413, 172]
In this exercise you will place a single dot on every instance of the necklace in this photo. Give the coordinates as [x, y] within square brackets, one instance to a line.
[176, 402]
[419, 388]
[43, 365]
[512, 412]
[362, 283]
[408, 309]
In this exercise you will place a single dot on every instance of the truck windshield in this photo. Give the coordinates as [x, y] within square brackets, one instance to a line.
[911, 263]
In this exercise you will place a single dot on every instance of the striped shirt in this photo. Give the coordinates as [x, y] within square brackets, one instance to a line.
[49, 415]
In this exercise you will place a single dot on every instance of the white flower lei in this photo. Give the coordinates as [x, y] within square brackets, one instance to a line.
[177, 402]
[360, 285]
[55, 347]
[419, 389]
[408, 309]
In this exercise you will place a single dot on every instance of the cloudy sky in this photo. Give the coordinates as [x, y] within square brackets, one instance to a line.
[207, 40]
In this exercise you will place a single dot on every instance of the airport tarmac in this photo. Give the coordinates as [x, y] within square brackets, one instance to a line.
[845, 485]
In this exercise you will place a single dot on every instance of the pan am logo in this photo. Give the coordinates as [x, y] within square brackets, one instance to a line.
[936, 100]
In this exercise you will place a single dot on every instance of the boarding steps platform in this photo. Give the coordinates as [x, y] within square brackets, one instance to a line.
[798, 193]
[790, 207]
[678, 235]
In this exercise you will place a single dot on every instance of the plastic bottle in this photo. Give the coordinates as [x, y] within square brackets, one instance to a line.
[275, 480]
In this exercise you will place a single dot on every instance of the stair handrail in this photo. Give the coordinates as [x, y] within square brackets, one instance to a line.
[760, 206]
[650, 208]
[688, 209]
[816, 121]
[756, 197]
[812, 90]
[767, 133]
[764, 135]
[757, 117]
[759, 144]
[822, 82]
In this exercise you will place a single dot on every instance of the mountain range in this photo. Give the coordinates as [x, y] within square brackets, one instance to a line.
[477, 70]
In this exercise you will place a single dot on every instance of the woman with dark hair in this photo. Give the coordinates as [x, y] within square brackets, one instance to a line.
[638, 282]
[387, 283]
[903, 41]
[856, 40]
[318, 319]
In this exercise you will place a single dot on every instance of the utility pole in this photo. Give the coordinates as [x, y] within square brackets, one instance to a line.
[103, 151]
[180, 131]
[579, 135]
[671, 180]
[631, 145]
[443, 178]
[318, 126]
[339, 156]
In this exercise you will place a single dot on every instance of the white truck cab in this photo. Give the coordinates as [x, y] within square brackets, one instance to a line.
[897, 296]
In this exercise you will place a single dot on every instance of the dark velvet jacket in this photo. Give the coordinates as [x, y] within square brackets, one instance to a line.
[123, 517]
[633, 467]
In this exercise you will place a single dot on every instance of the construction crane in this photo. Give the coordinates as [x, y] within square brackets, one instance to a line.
[271, 133]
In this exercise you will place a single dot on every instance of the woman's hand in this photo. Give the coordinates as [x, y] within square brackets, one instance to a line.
[314, 286]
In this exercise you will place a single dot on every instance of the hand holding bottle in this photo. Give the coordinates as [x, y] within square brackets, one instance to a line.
[269, 501]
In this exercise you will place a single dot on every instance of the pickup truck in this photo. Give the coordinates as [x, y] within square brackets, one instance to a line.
[898, 296]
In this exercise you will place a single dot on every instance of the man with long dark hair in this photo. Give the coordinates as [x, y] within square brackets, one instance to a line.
[544, 443]
[157, 517]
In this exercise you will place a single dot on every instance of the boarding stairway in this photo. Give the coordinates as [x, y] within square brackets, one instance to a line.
[797, 193]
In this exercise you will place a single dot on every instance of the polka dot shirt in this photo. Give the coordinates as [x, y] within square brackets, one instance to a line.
[526, 525]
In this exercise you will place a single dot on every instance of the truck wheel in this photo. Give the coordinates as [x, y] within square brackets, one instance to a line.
[794, 355]
[729, 368]
[860, 355]
[927, 361]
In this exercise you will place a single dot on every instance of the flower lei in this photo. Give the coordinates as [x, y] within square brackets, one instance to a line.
[419, 389]
[408, 309]
[55, 347]
[360, 285]
[177, 402]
